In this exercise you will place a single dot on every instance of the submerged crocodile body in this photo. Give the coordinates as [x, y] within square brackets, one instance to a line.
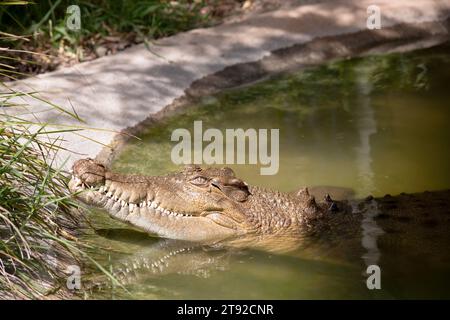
[198, 204]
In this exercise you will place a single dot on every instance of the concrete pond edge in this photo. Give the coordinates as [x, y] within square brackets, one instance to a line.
[398, 38]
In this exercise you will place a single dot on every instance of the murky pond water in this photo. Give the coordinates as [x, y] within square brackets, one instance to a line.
[377, 125]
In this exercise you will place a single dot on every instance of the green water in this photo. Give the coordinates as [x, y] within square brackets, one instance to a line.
[377, 125]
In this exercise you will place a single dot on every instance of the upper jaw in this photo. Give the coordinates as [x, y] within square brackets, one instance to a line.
[100, 194]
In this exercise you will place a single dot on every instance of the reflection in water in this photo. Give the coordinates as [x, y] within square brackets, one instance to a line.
[367, 126]
[376, 125]
[370, 232]
[159, 266]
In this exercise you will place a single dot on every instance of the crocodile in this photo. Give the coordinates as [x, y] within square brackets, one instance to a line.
[212, 204]
[198, 204]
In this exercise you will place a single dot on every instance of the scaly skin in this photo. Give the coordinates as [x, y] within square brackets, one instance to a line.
[196, 204]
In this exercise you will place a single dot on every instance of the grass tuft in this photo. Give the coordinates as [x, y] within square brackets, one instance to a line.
[39, 221]
[36, 213]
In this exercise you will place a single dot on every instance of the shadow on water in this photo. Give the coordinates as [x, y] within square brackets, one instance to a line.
[374, 125]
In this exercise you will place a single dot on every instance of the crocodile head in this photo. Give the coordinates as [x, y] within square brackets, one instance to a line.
[195, 204]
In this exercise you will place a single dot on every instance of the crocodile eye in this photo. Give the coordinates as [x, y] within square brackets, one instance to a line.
[199, 181]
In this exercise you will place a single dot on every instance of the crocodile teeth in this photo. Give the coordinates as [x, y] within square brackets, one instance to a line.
[132, 206]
